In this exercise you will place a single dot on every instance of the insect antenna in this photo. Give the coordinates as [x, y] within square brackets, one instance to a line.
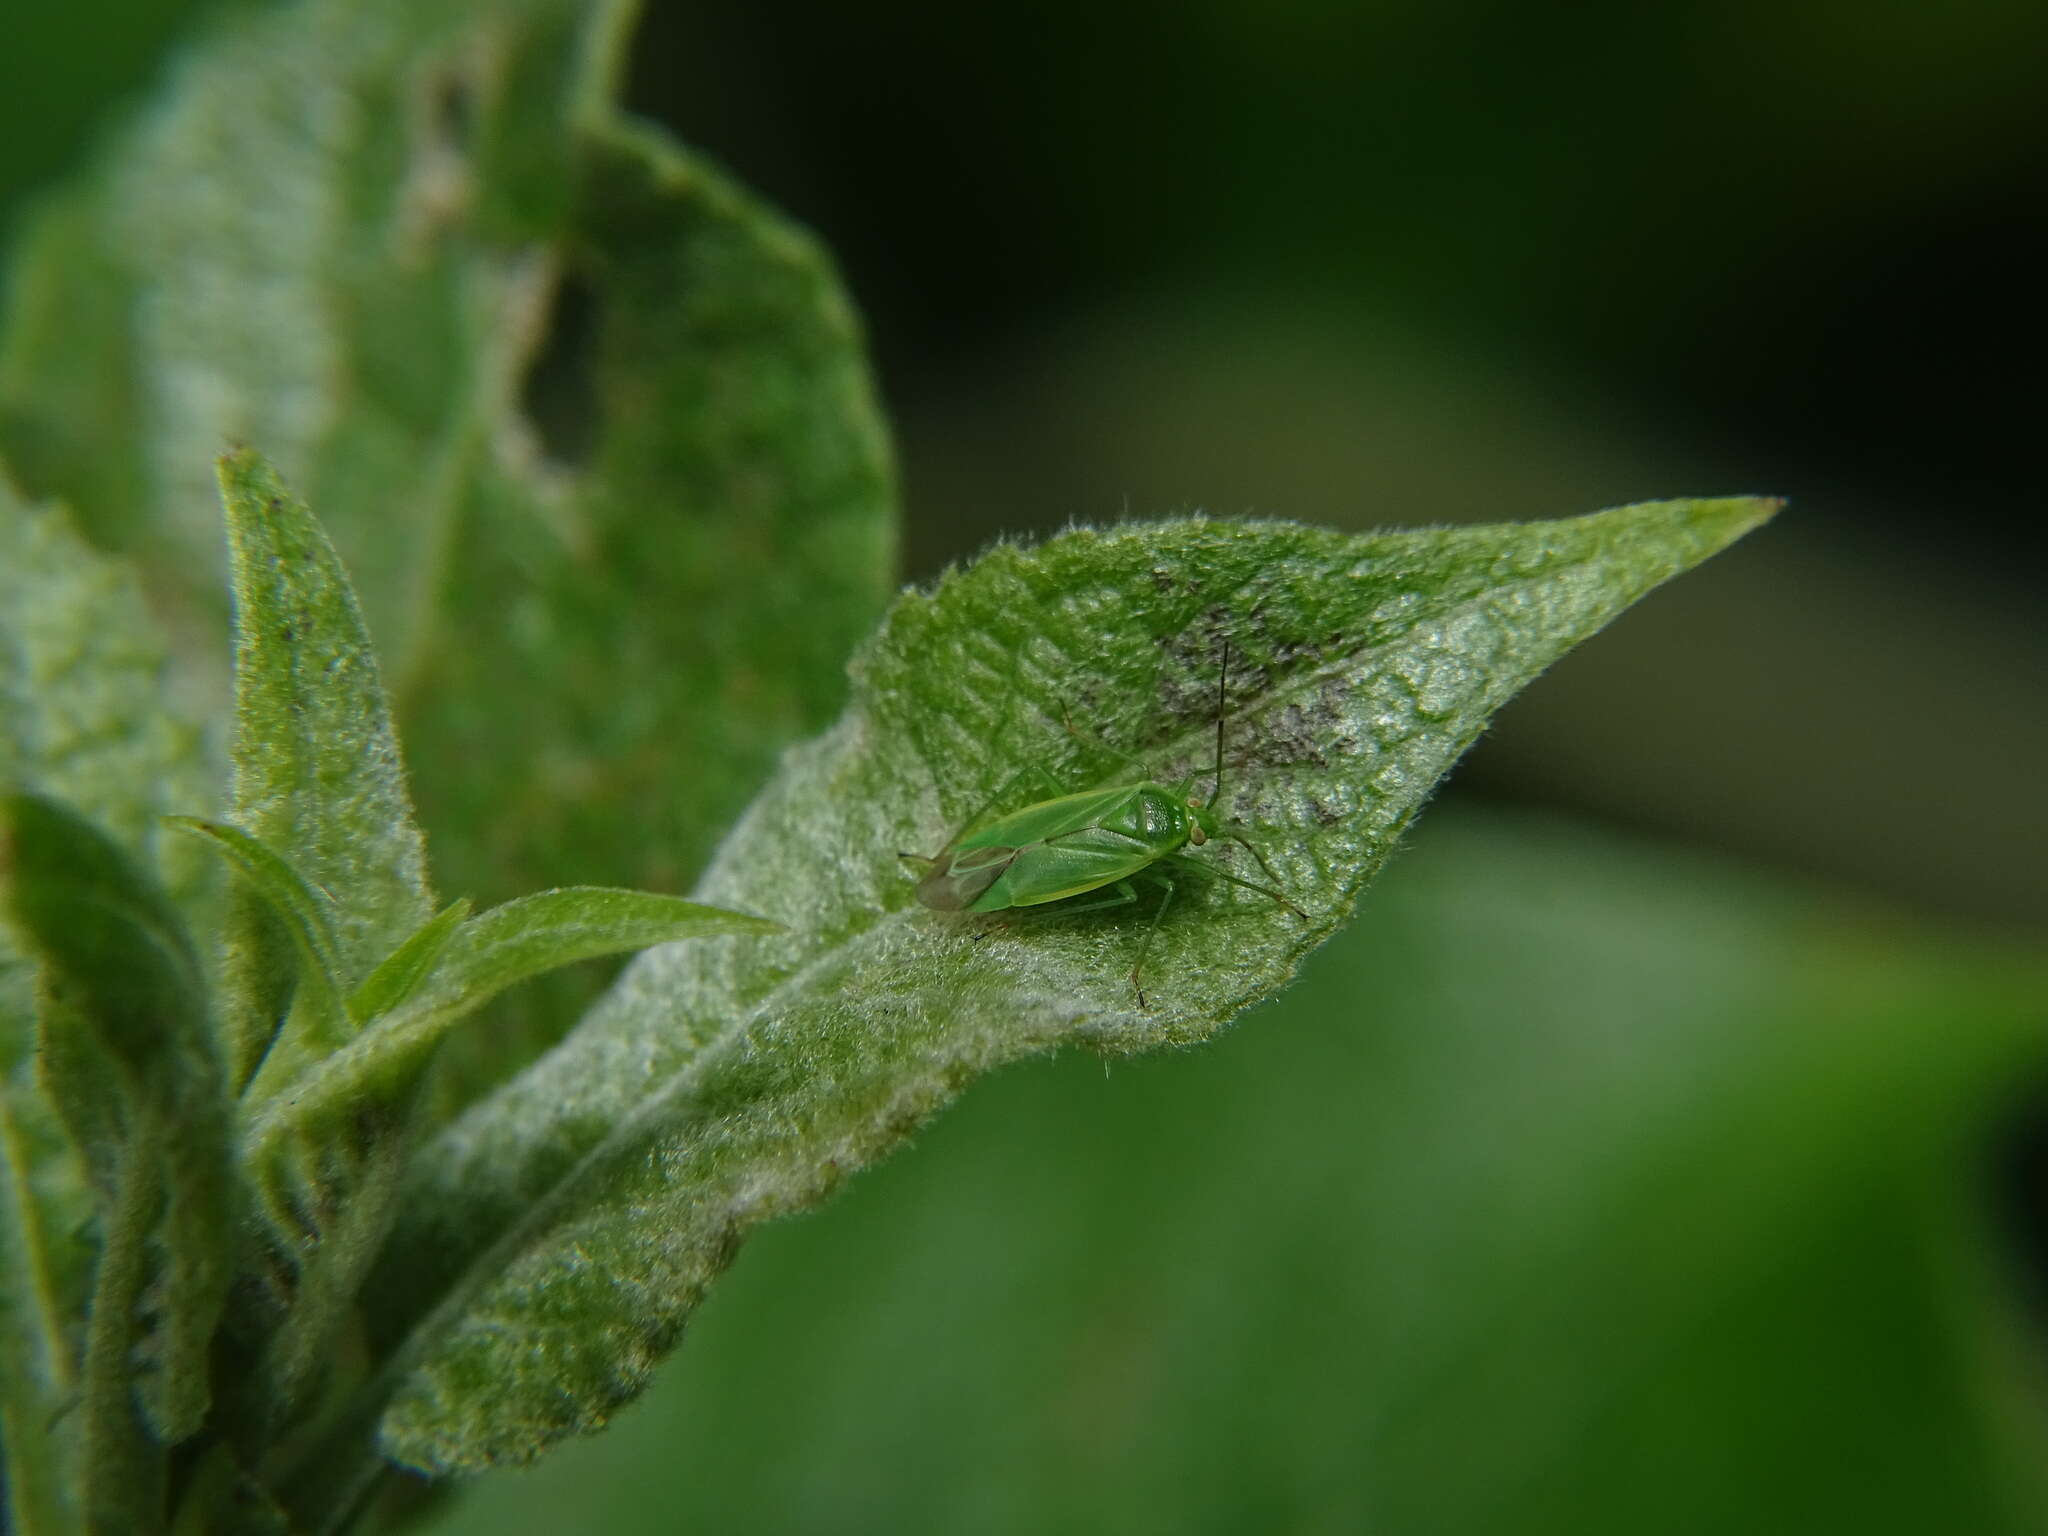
[1209, 871]
[1257, 857]
[1267, 870]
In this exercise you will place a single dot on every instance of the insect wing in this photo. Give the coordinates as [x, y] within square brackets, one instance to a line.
[1064, 866]
[960, 875]
[1048, 819]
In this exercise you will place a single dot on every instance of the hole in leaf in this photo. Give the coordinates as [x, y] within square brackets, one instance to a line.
[559, 395]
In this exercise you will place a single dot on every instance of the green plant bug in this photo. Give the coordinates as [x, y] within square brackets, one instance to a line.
[1074, 844]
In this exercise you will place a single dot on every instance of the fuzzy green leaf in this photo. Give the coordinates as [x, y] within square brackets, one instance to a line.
[569, 1224]
[534, 934]
[128, 1058]
[489, 953]
[327, 1155]
[82, 716]
[302, 911]
[411, 963]
[317, 771]
[319, 786]
[550, 382]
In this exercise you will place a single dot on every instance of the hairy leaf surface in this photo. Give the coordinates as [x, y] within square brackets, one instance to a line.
[327, 1145]
[319, 791]
[568, 1225]
[479, 959]
[401, 971]
[300, 910]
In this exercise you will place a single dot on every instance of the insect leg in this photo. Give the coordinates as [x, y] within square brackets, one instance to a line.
[1145, 948]
[1259, 857]
[1126, 893]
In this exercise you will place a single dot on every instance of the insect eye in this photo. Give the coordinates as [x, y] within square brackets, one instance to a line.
[1197, 836]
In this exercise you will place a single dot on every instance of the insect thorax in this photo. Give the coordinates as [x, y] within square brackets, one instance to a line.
[1154, 815]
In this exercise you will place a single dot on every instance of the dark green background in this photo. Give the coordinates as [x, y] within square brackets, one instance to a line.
[1588, 1186]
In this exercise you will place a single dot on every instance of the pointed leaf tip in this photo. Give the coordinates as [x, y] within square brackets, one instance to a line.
[318, 779]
